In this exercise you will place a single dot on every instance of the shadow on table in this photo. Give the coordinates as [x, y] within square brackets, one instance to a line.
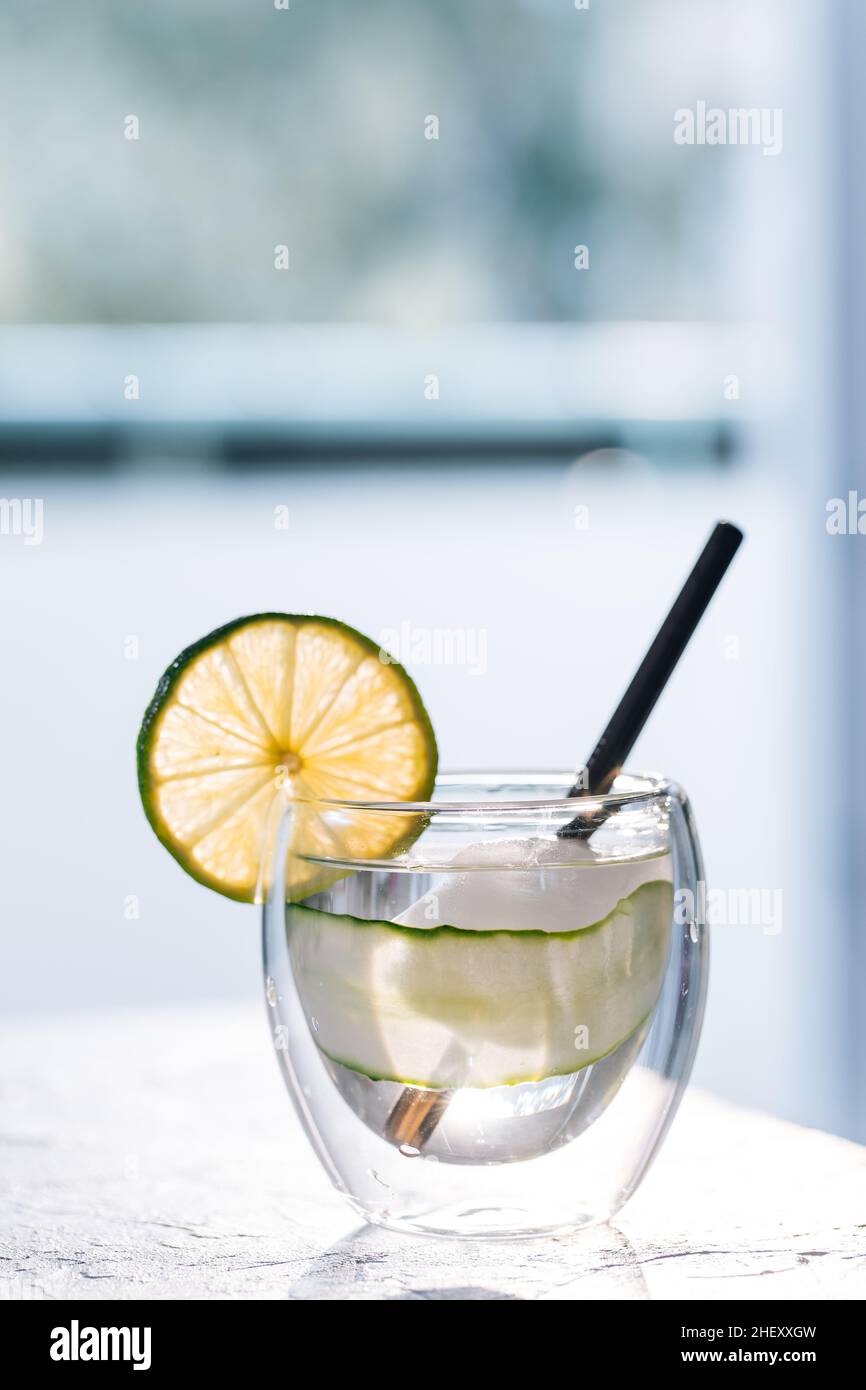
[371, 1263]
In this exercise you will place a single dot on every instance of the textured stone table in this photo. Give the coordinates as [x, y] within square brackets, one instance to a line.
[155, 1155]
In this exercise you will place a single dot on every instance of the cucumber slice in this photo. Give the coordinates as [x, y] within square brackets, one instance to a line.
[445, 1007]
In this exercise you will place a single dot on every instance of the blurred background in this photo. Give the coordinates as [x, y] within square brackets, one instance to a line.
[418, 315]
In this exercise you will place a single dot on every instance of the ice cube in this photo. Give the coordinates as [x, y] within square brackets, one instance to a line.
[533, 884]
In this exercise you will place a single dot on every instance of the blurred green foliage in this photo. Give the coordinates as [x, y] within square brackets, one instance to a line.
[307, 128]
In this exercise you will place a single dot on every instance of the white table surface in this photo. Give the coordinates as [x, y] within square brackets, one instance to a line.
[156, 1155]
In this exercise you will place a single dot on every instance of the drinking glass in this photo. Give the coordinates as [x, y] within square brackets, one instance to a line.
[487, 1031]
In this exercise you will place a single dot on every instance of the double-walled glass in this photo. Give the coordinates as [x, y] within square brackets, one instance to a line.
[486, 1031]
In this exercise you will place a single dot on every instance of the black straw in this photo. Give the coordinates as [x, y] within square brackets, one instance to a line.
[607, 758]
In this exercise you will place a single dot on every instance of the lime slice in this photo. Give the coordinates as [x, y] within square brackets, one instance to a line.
[276, 708]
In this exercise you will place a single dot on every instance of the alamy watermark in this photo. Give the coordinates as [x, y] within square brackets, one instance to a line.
[729, 907]
[21, 1288]
[23, 517]
[77, 1343]
[846, 516]
[713, 125]
[435, 646]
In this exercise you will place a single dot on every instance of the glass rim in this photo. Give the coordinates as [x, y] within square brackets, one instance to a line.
[641, 787]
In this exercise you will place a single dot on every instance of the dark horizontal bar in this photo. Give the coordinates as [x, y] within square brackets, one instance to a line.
[96, 445]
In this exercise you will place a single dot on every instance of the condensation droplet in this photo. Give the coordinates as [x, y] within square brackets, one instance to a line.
[314, 1024]
[378, 1178]
[693, 932]
[271, 992]
[408, 1152]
